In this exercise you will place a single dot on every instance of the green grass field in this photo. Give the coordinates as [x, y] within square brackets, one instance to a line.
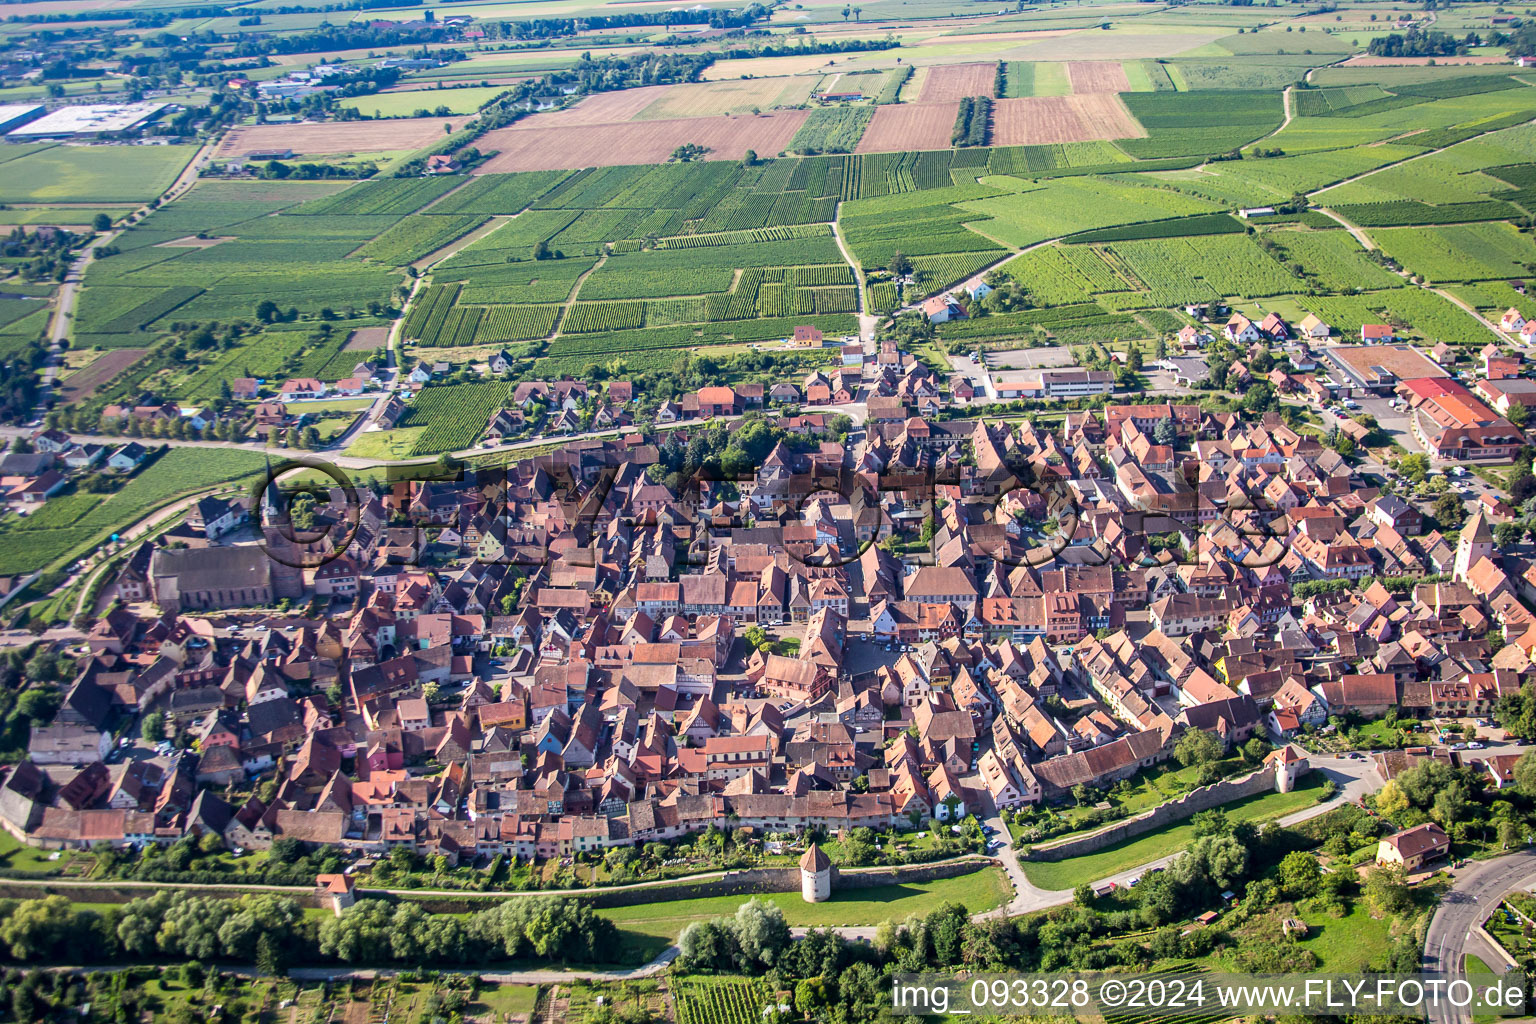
[1122, 856]
[405, 104]
[653, 926]
[92, 174]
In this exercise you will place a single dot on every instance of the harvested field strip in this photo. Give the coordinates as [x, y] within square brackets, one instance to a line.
[909, 126]
[334, 137]
[1050, 119]
[649, 142]
[602, 108]
[83, 383]
[947, 82]
[1091, 76]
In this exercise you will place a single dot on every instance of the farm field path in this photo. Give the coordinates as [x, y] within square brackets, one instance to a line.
[69, 291]
[397, 331]
[866, 321]
[570, 300]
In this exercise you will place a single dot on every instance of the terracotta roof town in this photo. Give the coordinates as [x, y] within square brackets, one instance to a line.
[570, 670]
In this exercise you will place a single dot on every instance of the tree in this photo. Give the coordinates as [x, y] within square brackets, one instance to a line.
[1197, 746]
[269, 959]
[1391, 800]
[1386, 889]
[39, 705]
[900, 266]
[761, 933]
[152, 728]
[1300, 874]
[102, 222]
[1449, 511]
[1507, 535]
[1212, 822]
[266, 311]
[1415, 467]
[1525, 773]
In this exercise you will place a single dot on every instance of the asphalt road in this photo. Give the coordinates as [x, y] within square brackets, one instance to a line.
[1474, 894]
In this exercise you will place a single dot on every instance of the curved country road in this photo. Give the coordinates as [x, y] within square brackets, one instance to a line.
[1474, 894]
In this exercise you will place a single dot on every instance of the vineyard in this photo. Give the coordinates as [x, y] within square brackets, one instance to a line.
[1056, 275]
[1203, 123]
[390, 197]
[416, 236]
[493, 194]
[890, 88]
[515, 323]
[1178, 227]
[1335, 259]
[721, 1000]
[1471, 252]
[1179, 270]
[831, 130]
[454, 414]
[1406, 212]
[1420, 315]
[936, 272]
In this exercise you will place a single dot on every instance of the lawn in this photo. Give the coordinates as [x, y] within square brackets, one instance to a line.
[334, 405]
[653, 926]
[17, 858]
[100, 174]
[505, 999]
[1346, 943]
[1122, 856]
[405, 104]
[1475, 965]
[385, 444]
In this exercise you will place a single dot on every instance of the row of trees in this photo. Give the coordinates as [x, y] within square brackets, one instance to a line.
[548, 927]
[269, 930]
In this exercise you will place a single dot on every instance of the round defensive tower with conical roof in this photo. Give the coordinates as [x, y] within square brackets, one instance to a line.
[815, 876]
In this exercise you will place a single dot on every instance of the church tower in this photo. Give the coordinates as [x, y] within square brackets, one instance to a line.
[1476, 542]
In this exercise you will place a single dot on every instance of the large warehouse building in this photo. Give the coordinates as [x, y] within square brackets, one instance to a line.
[17, 114]
[89, 120]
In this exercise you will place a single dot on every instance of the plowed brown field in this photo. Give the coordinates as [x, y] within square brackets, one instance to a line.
[948, 82]
[1041, 120]
[639, 142]
[902, 126]
[337, 136]
[1090, 76]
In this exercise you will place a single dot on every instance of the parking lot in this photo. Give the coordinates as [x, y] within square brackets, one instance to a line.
[1052, 357]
